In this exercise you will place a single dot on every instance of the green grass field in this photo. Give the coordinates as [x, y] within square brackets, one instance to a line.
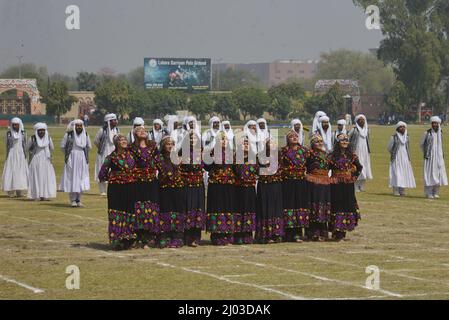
[407, 238]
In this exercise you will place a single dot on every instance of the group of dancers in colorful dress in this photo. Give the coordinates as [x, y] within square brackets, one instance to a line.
[154, 201]
[256, 192]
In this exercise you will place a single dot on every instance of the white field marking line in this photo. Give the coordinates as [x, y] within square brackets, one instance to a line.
[225, 279]
[239, 275]
[23, 285]
[391, 272]
[50, 224]
[347, 283]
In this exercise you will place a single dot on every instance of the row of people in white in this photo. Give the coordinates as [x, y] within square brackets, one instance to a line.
[39, 175]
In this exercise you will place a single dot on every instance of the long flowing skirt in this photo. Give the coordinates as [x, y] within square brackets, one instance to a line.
[15, 171]
[172, 217]
[146, 208]
[121, 213]
[220, 213]
[41, 179]
[320, 209]
[75, 177]
[401, 171]
[269, 212]
[345, 210]
[296, 203]
[195, 214]
[245, 215]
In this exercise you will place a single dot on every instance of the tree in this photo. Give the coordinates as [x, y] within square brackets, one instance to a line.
[251, 101]
[113, 96]
[281, 106]
[398, 99]
[58, 100]
[166, 102]
[230, 79]
[333, 102]
[140, 103]
[314, 104]
[87, 81]
[135, 77]
[371, 73]
[292, 90]
[415, 43]
[226, 106]
[200, 105]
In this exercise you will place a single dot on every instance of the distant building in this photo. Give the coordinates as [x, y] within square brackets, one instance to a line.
[273, 73]
[373, 106]
[84, 105]
[348, 86]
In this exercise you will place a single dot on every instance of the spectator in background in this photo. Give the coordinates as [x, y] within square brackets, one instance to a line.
[86, 120]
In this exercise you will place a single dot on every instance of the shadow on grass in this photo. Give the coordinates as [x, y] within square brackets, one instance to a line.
[97, 246]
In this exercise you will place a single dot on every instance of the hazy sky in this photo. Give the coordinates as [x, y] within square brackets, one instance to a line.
[118, 34]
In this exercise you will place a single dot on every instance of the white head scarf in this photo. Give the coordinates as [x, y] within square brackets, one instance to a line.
[137, 122]
[363, 131]
[402, 137]
[316, 121]
[17, 135]
[343, 123]
[158, 134]
[171, 123]
[111, 132]
[300, 134]
[438, 136]
[253, 137]
[263, 133]
[327, 136]
[80, 139]
[229, 132]
[211, 125]
[196, 128]
[45, 141]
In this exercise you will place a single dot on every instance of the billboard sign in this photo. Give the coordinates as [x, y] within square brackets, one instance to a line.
[189, 74]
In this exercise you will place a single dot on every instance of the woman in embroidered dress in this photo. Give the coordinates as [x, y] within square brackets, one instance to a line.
[221, 192]
[117, 171]
[192, 171]
[269, 207]
[320, 192]
[171, 198]
[295, 189]
[146, 202]
[245, 169]
[346, 168]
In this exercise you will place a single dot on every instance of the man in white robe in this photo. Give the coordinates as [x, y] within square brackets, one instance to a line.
[177, 133]
[315, 123]
[41, 174]
[434, 166]
[324, 130]
[75, 177]
[158, 131]
[208, 137]
[227, 129]
[359, 142]
[15, 171]
[298, 128]
[104, 140]
[137, 122]
[341, 128]
[251, 132]
[401, 171]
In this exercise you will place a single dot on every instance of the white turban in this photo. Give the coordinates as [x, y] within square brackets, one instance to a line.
[341, 122]
[212, 120]
[435, 119]
[80, 139]
[315, 121]
[363, 131]
[109, 117]
[138, 121]
[401, 124]
[43, 142]
[293, 123]
[17, 135]
[327, 136]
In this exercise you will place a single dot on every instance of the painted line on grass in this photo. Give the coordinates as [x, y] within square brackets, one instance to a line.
[318, 277]
[21, 284]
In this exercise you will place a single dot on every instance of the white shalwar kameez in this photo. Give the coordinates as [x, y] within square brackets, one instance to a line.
[75, 177]
[401, 170]
[434, 167]
[42, 178]
[15, 171]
